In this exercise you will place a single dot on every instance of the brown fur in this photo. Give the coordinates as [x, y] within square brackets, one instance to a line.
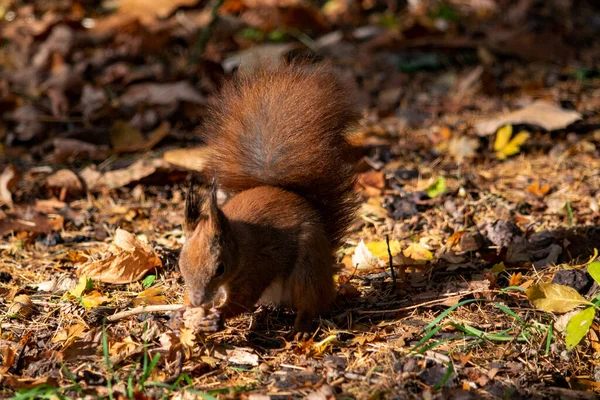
[277, 142]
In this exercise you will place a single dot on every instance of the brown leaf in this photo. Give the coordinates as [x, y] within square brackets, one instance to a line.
[372, 182]
[8, 358]
[69, 150]
[22, 306]
[141, 170]
[8, 180]
[66, 180]
[37, 224]
[539, 113]
[161, 94]
[125, 138]
[131, 261]
[16, 382]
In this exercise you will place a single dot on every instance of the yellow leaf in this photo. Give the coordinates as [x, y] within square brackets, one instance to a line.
[94, 299]
[502, 137]
[504, 146]
[150, 296]
[514, 146]
[554, 298]
[380, 250]
[321, 346]
[418, 252]
[78, 290]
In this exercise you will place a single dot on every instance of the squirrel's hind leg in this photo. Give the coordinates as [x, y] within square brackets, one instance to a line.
[312, 286]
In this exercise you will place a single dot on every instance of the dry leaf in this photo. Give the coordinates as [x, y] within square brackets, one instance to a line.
[22, 306]
[539, 113]
[37, 224]
[372, 183]
[536, 189]
[131, 261]
[505, 145]
[554, 298]
[515, 279]
[161, 94]
[94, 299]
[463, 147]
[8, 180]
[152, 296]
[363, 258]
[69, 334]
[417, 252]
[152, 9]
[125, 138]
[66, 180]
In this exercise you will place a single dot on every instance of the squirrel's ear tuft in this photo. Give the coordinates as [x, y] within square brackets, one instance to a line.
[193, 208]
[201, 204]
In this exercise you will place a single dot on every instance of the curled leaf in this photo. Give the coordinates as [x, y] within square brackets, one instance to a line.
[131, 260]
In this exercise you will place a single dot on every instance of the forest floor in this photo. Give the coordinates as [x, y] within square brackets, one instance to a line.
[481, 177]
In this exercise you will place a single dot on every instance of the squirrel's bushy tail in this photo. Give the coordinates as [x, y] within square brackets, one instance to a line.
[285, 127]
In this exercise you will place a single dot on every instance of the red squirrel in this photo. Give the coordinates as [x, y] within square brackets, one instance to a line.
[277, 141]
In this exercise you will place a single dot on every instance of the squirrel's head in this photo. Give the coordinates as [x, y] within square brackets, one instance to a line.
[207, 256]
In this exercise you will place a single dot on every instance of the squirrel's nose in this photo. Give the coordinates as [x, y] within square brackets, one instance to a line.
[196, 298]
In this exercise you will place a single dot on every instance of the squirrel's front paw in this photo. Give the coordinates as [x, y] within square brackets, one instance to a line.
[196, 318]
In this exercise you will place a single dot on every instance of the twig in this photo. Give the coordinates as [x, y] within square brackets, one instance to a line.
[387, 242]
[144, 309]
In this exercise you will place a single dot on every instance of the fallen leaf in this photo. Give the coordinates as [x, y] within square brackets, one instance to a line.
[22, 306]
[153, 9]
[554, 298]
[65, 180]
[69, 333]
[363, 258]
[8, 180]
[161, 94]
[504, 146]
[8, 356]
[578, 327]
[515, 279]
[131, 261]
[380, 249]
[69, 150]
[418, 252]
[463, 147]
[238, 356]
[539, 113]
[125, 138]
[321, 346]
[594, 270]
[37, 224]
[16, 382]
[536, 189]
[437, 188]
[83, 284]
[372, 183]
[94, 299]
[152, 296]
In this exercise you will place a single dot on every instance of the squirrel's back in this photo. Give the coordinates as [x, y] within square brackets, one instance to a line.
[285, 127]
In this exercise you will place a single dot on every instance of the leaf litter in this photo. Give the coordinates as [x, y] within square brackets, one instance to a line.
[485, 209]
